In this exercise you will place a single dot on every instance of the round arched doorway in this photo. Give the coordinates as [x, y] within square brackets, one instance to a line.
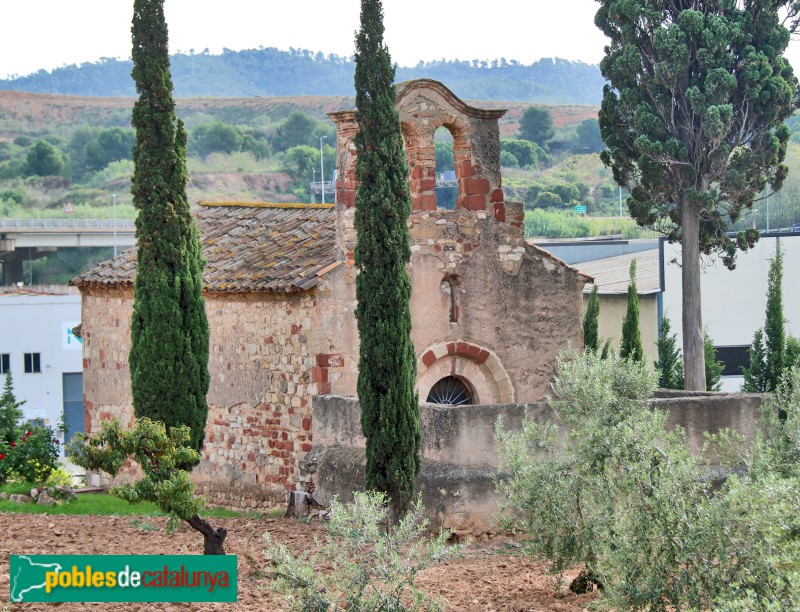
[451, 390]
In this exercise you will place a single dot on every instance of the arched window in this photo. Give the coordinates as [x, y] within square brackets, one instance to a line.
[451, 390]
[446, 181]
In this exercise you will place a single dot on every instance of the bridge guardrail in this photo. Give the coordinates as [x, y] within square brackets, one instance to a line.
[66, 224]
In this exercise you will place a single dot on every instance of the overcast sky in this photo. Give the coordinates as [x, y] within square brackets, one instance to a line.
[47, 34]
[37, 34]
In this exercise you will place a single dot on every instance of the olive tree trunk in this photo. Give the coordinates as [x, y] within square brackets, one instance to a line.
[213, 539]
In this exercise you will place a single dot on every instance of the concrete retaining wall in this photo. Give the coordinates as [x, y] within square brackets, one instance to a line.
[460, 453]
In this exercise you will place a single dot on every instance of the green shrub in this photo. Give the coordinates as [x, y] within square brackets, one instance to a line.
[32, 458]
[548, 199]
[507, 160]
[370, 568]
[607, 485]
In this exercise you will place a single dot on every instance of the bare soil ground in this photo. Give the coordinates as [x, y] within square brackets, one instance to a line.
[490, 575]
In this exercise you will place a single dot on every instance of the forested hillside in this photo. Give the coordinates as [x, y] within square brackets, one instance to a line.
[271, 72]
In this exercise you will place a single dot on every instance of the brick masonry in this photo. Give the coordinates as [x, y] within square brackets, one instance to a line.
[486, 307]
[263, 375]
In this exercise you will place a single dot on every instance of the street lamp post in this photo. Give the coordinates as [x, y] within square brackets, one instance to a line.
[322, 168]
[114, 222]
[313, 184]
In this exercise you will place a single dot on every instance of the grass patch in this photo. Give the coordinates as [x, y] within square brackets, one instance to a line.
[103, 504]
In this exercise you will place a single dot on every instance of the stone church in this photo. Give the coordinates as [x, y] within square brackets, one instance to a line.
[490, 312]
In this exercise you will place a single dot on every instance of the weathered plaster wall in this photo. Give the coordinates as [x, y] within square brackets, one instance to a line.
[486, 307]
[460, 453]
[612, 313]
[476, 284]
[264, 370]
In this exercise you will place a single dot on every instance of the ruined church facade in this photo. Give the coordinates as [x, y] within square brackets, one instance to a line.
[490, 312]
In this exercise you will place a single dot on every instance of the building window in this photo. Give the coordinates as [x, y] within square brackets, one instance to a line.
[5, 363]
[33, 363]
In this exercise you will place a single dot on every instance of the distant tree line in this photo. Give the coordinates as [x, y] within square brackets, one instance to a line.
[271, 72]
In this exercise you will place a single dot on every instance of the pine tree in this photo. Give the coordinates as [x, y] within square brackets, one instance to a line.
[591, 339]
[774, 327]
[755, 377]
[169, 329]
[669, 364]
[631, 344]
[387, 366]
[10, 414]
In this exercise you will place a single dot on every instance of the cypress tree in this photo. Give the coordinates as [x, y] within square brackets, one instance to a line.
[755, 377]
[771, 353]
[774, 327]
[169, 329]
[631, 345]
[591, 339]
[10, 413]
[669, 364]
[387, 365]
[714, 368]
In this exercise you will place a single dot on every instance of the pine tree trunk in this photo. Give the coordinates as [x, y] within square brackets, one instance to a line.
[213, 539]
[693, 354]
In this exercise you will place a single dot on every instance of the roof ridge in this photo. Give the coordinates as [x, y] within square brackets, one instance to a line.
[287, 205]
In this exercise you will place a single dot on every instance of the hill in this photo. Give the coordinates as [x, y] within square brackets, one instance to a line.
[271, 72]
[33, 113]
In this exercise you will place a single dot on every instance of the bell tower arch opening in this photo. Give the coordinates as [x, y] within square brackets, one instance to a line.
[446, 181]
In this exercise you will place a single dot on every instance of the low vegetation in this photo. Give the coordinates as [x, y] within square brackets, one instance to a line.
[370, 568]
[607, 484]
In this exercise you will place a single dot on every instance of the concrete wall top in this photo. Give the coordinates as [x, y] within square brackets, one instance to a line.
[464, 436]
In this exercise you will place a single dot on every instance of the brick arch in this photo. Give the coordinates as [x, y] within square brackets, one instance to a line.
[421, 158]
[475, 364]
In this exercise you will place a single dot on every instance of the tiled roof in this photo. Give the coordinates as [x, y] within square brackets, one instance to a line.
[612, 274]
[248, 248]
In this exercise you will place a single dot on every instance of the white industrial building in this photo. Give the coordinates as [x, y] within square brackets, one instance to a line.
[42, 353]
[734, 301]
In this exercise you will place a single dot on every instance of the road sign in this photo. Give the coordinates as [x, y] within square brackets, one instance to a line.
[581, 210]
[68, 208]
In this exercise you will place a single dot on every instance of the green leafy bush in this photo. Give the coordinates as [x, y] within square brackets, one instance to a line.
[606, 484]
[370, 568]
[32, 458]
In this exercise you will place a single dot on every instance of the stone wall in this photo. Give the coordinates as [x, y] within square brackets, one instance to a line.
[460, 453]
[486, 306]
[264, 367]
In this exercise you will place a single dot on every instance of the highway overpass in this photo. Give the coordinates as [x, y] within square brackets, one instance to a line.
[29, 239]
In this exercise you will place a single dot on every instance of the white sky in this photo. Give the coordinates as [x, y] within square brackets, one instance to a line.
[47, 34]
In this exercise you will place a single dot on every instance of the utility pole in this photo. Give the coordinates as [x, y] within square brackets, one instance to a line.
[322, 168]
[114, 222]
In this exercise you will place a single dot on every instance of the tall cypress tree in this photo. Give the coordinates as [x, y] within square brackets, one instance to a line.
[169, 329]
[768, 353]
[669, 364]
[631, 344]
[591, 339]
[387, 365]
[774, 325]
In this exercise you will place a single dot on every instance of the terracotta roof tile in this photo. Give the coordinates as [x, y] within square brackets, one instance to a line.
[249, 248]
